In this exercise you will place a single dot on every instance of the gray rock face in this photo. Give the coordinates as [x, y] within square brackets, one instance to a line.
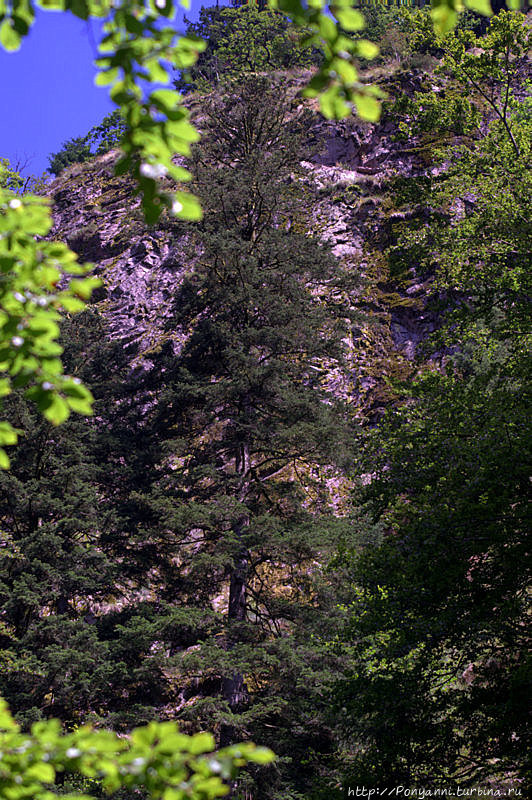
[98, 215]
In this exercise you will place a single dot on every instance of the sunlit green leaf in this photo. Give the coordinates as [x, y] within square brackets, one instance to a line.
[8, 434]
[201, 743]
[327, 28]
[57, 411]
[350, 19]
[367, 49]
[368, 107]
[4, 464]
[106, 78]
[42, 772]
[480, 6]
[187, 206]
[84, 288]
[9, 38]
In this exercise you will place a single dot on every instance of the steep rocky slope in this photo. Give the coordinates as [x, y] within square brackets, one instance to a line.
[348, 176]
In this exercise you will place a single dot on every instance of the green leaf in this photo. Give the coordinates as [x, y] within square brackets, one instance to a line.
[57, 411]
[71, 304]
[145, 735]
[46, 731]
[367, 107]
[183, 130]
[480, 6]
[366, 49]
[192, 42]
[43, 325]
[174, 742]
[4, 464]
[289, 7]
[327, 28]
[165, 99]
[42, 772]
[172, 794]
[133, 25]
[7, 723]
[79, 8]
[349, 19]
[55, 5]
[332, 105]
[187, 206]
[8, 434]
[83, 288]
[345, 70]
[444, 18]
[162, 7]
[156, 72]
[9, 37]
[78, 397]
[316, 85]
[105, 78]
[327, 102]
[201, 743]
[179, 173]
[261, 755]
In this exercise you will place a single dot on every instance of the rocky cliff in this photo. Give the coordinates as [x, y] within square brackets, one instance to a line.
[350, 178]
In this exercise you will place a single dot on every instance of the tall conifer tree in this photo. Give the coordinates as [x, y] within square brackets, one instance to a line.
[249, 420]
[77, 629]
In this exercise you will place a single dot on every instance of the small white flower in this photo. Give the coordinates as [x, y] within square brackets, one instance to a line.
[17, 341]
[46, 385]
[15, 203]
[42, 301]
[72, 752]
[76, 381]
[20, 297]
[153, 170]
[160, 3]
[177, 207]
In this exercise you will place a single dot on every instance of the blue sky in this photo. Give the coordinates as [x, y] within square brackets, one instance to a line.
[47, 92]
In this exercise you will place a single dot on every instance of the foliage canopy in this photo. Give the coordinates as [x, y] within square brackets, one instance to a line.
[437, 633]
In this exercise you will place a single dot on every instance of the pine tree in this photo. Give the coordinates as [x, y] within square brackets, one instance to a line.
[250, 426]
[80, 637]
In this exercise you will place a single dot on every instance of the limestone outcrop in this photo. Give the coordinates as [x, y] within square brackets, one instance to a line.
[349, 176]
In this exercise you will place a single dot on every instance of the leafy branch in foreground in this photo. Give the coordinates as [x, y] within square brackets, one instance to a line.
[156, 757]
[32, 298]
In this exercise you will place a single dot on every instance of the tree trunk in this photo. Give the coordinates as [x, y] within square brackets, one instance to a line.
[234, 690]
